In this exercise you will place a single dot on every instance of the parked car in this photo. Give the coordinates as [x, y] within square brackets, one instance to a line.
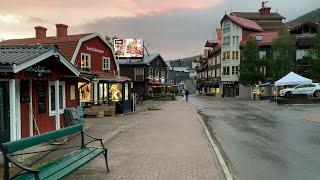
[307, 89]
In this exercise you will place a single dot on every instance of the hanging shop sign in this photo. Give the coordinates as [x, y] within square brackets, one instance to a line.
[93, 49]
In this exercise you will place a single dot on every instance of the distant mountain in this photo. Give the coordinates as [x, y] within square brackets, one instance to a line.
[184, 62]
[312, 16]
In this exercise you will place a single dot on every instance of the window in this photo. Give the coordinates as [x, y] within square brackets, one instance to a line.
[52, 96]
[226, 41]
[72, 92]
[235, 27]
[226, 55]
[301, 53]
[226, 70]
[226, 27]
[156, 72]
[235, 55]
[151, 72]
[263, 70]
[139, 74]
[106, 63]
[259, 37]
[235, 70]
[235, 40]
[262, 54]
[85, 61]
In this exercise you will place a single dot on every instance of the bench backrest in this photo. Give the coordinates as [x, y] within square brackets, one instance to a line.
[14, 146]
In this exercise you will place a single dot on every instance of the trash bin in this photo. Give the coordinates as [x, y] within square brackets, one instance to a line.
[119, 108]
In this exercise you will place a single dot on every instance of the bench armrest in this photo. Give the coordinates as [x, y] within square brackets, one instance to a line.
[94, 139]
[91, 136]
[22, 166]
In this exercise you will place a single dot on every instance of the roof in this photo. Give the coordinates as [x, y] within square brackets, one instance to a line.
[211, 43]
[295, 26]
[292, 79]
[19, 54]
[219, 34]
[66, 45]
[14, 58]
[244, 23]
[258, 16]
[267, 38]
[184, 62]
[267, 26]
[145, 61]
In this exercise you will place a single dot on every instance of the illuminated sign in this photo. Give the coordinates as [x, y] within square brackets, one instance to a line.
[129, 48]
[116, 92]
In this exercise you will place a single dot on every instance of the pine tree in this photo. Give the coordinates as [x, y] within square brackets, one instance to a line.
[282, 49]
[251, 64]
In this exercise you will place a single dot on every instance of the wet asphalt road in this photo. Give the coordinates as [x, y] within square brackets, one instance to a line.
[263, 141]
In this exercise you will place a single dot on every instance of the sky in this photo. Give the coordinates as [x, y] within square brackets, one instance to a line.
[174, 28]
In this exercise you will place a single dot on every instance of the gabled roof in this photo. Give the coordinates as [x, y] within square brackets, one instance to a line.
[66, 45]
[14, 58]
[267, 38]
[258, 16]
[244, 23]
[212, 43]
[295, 26]
[145, 61]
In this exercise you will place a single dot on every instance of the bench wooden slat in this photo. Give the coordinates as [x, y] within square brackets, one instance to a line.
[21, 144]
[65, 165]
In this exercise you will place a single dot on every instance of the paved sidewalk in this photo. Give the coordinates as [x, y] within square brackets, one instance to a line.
[166, 144]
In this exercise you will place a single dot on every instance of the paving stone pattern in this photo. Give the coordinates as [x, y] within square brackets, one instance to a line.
[168, 144]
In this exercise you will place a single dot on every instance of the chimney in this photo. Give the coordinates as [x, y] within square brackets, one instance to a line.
[62, 30]
[41, 32]
[264, 9]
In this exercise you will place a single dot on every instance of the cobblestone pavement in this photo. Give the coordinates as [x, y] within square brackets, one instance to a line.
[168, 144]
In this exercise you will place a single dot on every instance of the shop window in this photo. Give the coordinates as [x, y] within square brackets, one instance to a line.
[139, 74]
[103, 92]
[151, 72]
[72, 92]
[52, 98]
[86, 92]
[115, 92]
[85, 61]
[157, 72]
[106, 63]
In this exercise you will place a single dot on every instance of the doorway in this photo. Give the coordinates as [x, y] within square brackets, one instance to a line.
[4, 112]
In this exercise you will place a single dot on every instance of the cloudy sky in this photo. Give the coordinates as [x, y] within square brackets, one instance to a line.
[175, 28]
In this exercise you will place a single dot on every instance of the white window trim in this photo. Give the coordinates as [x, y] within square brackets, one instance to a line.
[89, 60]
[61, 111]
[103, 63]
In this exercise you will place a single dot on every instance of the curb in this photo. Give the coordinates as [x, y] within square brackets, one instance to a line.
[222, 162]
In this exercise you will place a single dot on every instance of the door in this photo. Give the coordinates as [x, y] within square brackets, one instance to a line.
[4, 112]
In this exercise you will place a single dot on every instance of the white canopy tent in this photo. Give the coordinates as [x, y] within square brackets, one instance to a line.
[292, 79]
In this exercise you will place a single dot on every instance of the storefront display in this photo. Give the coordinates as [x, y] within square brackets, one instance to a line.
[126, 91]
[115, 90]
[86, 92]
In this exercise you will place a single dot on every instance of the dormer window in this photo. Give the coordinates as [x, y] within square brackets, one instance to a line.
[259, 37]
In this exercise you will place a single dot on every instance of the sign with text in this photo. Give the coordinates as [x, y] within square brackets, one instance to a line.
[129, 48]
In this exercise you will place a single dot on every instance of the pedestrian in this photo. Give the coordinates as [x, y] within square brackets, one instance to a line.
[186, 93]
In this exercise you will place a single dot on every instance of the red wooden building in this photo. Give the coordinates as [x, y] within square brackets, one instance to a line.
[96, 67]
[31, 79]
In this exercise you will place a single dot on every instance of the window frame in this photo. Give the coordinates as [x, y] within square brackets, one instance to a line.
[89, 61]
[103, 63]
[63, 84]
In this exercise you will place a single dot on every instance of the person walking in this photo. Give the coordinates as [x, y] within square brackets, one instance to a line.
[186, 94]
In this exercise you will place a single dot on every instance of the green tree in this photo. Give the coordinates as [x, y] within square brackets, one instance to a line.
[281, 60]
[315, 54]
[251, 64]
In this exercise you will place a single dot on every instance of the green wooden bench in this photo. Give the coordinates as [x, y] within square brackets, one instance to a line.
[58, 168]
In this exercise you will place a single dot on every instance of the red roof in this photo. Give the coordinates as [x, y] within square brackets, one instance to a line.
[219, 34]
[266, 38]
[66, 45]
[244, 23]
